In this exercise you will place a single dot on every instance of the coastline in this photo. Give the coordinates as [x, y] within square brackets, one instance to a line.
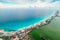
[21, 34]
[38, 23]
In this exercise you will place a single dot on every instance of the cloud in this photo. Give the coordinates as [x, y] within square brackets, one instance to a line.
[27, 1]
[56, 5]
[18, 1]
[38, 4]
[1, 5]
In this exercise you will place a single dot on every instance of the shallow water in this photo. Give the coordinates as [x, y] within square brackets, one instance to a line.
[11, 20]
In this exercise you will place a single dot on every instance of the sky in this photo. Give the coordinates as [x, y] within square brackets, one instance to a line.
[20, 1]
[27, 3]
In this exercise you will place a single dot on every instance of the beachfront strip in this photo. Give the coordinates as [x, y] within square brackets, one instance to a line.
[23, 34]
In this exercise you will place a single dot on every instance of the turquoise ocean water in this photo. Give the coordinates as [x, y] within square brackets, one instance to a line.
[12, 25]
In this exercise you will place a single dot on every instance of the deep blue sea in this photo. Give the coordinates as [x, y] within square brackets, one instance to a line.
[14, 19]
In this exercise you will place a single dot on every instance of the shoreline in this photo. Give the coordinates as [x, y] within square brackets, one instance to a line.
[21, 34]
[38, 23]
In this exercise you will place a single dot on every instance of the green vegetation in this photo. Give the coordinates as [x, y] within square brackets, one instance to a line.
[38, 35]
[5, 37]
[50, 31]
[35, 34]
